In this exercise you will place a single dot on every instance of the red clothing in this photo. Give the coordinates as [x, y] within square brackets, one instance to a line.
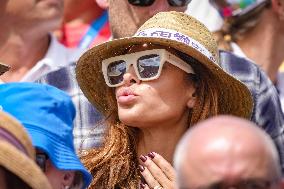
[72, 36]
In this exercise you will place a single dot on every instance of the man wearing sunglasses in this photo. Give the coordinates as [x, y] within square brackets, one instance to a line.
[126, 16]
[227, 152]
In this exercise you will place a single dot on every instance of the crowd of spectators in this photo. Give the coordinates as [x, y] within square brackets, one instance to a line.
[150, 94]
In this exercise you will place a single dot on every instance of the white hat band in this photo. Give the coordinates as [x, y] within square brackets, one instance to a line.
[176, 36]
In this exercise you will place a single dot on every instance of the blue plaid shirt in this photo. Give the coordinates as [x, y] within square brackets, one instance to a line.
[88, 128]
[267, 113]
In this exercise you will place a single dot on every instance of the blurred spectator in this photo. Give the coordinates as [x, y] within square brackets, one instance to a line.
[17, 168]
[255, 29]
[47, 113]
[85, 24]
[227, 152]
[26, 44]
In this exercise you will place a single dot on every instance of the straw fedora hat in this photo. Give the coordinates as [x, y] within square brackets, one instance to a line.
[170, 29]
[17, 153]
[3, 68]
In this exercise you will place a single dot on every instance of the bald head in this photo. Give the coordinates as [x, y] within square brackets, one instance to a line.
[225, 149]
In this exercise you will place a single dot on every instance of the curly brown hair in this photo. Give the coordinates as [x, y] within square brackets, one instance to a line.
[114, 165]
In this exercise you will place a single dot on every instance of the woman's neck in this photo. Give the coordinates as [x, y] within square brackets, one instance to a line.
[161, 139]
[264, 44]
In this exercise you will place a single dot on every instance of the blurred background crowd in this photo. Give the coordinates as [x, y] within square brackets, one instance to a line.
[59, 129]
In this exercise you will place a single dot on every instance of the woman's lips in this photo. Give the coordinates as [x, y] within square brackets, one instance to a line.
[126, 100]
[125, 96]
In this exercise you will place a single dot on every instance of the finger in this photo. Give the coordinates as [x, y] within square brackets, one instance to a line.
[155, 171]
[144, 186]
[148, 177]
[164, 165]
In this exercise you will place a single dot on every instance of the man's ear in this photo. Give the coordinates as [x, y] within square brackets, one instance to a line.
[68, 178]
[278, 8]
[103, 3]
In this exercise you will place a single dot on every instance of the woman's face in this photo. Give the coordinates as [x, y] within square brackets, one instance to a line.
[165, 100]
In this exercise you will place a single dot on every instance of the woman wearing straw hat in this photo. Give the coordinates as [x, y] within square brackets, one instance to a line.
[151, 88]
[17, 166]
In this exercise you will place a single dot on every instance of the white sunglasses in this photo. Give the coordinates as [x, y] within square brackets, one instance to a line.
[147, 64]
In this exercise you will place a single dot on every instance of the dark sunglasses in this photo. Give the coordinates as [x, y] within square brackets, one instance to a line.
[41, 159]
[146, 3]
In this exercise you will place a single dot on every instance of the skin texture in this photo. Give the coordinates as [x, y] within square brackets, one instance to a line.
[24, 38]
[58, 179]
[125, 19]
[165, 116]
[76, 11]
[228, 150]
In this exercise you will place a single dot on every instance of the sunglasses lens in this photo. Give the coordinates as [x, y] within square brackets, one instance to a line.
[41, 160]
[142, 3]
[115, 72]
[179, 3]
[148, 66]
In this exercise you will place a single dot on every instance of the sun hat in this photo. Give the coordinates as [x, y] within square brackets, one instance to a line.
[17, 154]
[3, 68]
[170, 29]
[47, 113]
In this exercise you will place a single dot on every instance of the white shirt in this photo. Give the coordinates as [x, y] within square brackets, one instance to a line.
[205, 13]
[57, 56]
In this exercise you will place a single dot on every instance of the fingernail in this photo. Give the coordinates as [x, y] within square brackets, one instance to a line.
[151, 155]
[141, 168]
[142, 185]
[143, 158]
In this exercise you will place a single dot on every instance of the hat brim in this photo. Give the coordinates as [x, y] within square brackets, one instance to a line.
[234, 97]
[3, 68]
[22, 166]
[67, 160]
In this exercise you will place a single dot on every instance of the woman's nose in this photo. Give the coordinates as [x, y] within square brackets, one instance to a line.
[130, 77]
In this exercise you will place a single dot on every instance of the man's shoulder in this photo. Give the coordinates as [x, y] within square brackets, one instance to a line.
[267, 111]
[245, 71]
[240, 67]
